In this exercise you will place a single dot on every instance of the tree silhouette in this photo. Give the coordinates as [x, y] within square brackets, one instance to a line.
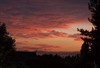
[93, 36]
[7, 44]
[85, 50]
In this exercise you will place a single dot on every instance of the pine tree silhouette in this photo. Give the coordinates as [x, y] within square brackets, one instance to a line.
[7, 45]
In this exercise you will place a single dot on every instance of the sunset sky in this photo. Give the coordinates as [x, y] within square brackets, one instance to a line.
[46, 25]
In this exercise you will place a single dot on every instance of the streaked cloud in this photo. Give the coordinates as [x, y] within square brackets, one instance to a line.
[43, 34]
[39, 47]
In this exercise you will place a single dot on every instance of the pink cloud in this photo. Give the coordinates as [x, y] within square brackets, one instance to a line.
[45, 34]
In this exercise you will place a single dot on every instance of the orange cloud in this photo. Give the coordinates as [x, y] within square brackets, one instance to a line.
[39, 47]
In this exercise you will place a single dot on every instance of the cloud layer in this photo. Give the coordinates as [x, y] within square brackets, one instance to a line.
[38, 19]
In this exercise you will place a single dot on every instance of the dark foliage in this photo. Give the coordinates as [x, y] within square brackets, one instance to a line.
[90, 51]
[7, 44]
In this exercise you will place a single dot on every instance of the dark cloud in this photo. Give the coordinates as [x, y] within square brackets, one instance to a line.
[77, 37]
[43, 7]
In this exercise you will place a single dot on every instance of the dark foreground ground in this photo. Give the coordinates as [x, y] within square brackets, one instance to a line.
[32, 60]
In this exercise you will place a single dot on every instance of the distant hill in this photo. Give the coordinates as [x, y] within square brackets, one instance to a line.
[62, 54]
